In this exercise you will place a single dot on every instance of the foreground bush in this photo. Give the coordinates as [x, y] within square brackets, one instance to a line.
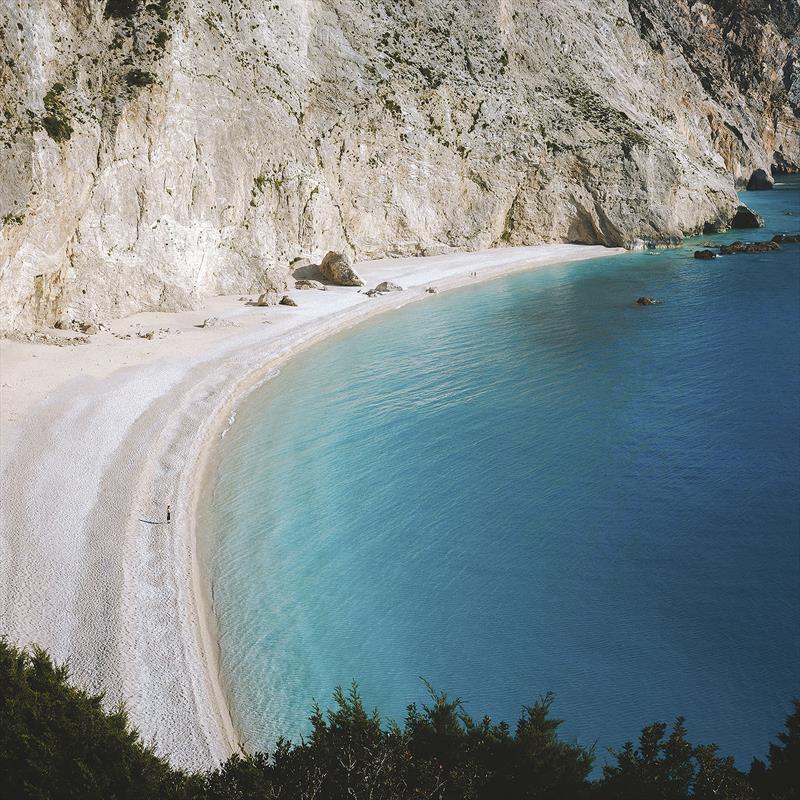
[56, 741]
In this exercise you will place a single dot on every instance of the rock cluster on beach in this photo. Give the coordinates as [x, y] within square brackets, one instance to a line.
[385, 129]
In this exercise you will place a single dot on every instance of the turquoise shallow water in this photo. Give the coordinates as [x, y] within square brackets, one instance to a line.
[531, 485]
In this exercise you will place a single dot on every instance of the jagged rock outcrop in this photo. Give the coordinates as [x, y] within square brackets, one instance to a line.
[746, 218]
[759, 181]
[155, 151]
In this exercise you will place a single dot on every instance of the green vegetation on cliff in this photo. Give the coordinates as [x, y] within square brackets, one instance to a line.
[57, 741]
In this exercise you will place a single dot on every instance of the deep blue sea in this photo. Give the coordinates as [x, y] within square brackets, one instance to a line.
[531, 485]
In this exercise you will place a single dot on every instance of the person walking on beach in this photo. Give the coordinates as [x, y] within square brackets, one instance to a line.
[169, 515]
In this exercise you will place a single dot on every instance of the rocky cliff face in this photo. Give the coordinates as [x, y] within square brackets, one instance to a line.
[157, 150]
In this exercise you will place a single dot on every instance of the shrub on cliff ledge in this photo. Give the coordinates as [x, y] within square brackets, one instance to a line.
[55, 120]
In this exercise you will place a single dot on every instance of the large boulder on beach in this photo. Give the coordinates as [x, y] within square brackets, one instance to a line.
[759, 180]
[268, 298]
[383, 288]
[338, 269]
[746, 218]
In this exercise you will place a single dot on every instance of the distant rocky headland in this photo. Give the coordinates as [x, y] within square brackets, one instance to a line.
[155, 151]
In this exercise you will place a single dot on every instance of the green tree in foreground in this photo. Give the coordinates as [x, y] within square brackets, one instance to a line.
[670, 768]
[781, 779]
[57, 741]
[439, 753]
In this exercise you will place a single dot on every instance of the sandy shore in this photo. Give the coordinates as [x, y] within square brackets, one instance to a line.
[96, 440]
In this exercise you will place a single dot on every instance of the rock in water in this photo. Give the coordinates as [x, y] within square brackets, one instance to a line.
[748, 247]
[287, 301]
[786, 238]
[704, 255]
[307, 283]
[647, 301]
[759, 180]
[746, 218]
[338, 269]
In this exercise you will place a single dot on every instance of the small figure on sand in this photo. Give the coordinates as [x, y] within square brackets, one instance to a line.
[169, 515]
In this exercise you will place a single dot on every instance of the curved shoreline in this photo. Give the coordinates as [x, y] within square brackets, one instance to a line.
[131, 608]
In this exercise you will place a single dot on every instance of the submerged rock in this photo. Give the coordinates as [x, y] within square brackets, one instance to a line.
[337, 268]
[748, 247]
[746, 218]
[704, 255]
[647, 301]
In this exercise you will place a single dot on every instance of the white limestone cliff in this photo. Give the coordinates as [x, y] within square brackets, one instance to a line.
[154, 151]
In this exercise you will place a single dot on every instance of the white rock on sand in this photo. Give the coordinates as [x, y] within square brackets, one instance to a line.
[97, 440]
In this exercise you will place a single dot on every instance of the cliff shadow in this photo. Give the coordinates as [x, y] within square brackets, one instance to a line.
[310, 272]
